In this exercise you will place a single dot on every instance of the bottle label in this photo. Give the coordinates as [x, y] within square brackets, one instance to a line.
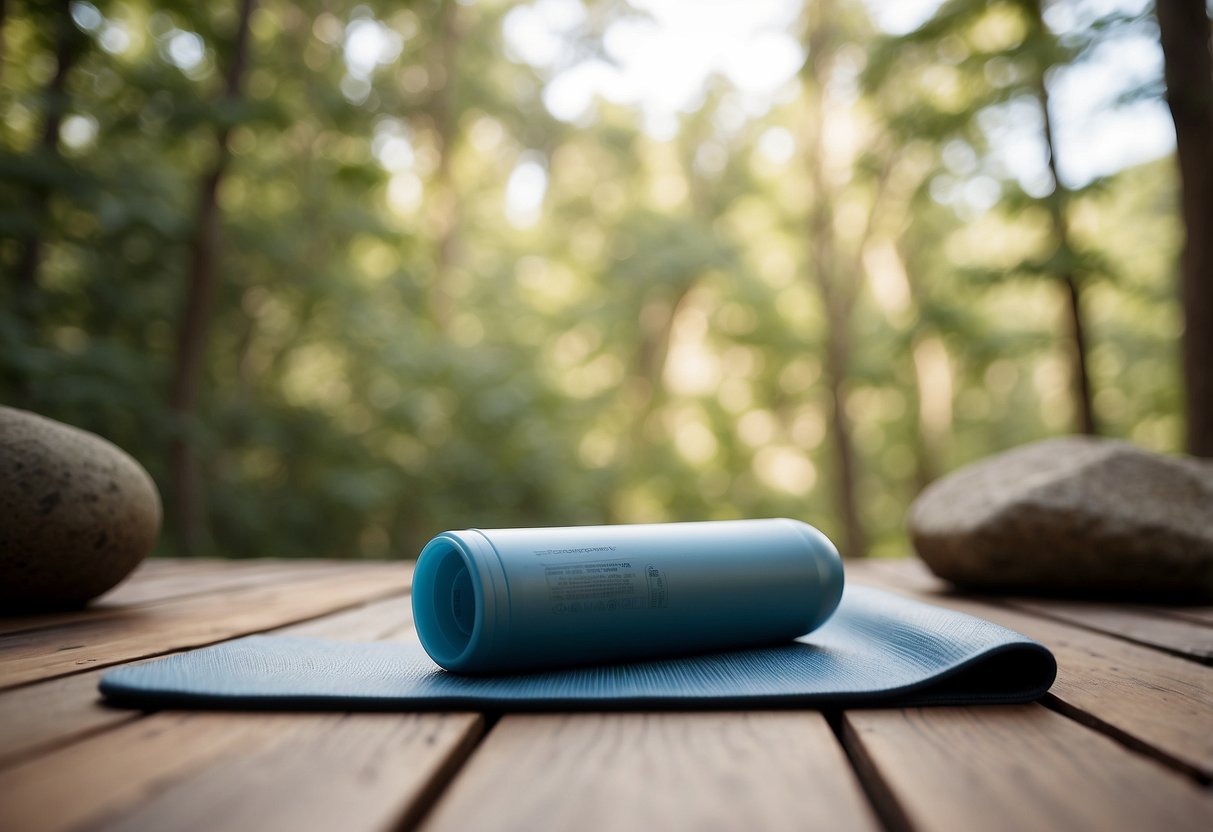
[597, 587]
[657, 586]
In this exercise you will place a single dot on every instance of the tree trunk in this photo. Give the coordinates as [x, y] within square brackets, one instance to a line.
[445, 205]
[1185, 29]
[657, 318]
[3, 20]
[68, 46]
[1058, 201]
[837, 291]
[854, 536]
[188, 503]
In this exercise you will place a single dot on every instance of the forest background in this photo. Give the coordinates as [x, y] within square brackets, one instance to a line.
[342, 275]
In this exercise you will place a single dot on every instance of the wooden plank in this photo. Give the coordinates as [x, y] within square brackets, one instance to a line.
[146, 579]
[196, 577]
[357, 772]
[191, 622]
[1154, 702]
[164, 566]
[47, 715]
[205, 574]
[1197, 615]
[390, 619]
[1012, 768]
[1142, 625]
[241, 771]
[668, 771]
[1183, 631]
[208, 576]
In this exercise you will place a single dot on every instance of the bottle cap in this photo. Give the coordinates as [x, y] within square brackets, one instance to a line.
[459, 594]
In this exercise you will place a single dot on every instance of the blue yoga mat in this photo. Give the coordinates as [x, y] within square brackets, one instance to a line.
[878, 649]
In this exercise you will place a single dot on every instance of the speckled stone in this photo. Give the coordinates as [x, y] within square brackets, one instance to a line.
[77, 514]
[1074, 515]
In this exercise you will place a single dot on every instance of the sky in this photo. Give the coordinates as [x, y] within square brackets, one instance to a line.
[661, 61]
[660, 65]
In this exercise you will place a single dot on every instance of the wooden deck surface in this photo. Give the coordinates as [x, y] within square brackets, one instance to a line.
[1124, 740]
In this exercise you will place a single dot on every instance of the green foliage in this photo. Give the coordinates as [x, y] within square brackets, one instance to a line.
[391, 354]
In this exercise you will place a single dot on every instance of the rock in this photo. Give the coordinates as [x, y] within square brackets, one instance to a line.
[1073, 515]
[77, 514]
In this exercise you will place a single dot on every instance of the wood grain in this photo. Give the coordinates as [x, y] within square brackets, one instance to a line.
[39, 717]
[1013, 768]
[667, 771]
[390, 619]
[67, 763]
[46, 715]
[148, 587]
[1149, 627]
[351, 773]
[1198, 615]
[1155, 702]
[240, 771]
[190, 622]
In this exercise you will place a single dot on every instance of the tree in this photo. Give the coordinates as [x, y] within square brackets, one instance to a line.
[69, 43]
[1008, 54]
[836, 286]
[717, 323]
[1065, 258]
[1185, 29]
[836, 268]
[199, 301]
[444, 115]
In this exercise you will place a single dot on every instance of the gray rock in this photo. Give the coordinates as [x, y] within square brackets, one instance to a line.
[1072, 515]
[77, 514]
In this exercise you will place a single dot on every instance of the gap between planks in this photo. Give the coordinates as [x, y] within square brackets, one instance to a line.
[49, 714]
[1171, 630]
[239, 771]
[1151, 701]
[150, 587]
[189, 622]
[1149, 627]
[1012, 767]
[215, 771]
[753, 770]
[289, 749]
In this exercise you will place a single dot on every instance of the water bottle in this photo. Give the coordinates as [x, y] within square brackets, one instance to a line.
[499, 600]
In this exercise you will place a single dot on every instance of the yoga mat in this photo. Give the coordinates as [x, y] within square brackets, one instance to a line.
[878, 649]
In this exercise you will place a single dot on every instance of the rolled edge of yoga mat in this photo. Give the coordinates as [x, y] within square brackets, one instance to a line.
[501, 600]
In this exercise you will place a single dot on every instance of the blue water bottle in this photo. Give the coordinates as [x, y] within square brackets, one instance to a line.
[516, 599]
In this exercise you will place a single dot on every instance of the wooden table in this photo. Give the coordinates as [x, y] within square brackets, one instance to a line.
[1123, 741]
